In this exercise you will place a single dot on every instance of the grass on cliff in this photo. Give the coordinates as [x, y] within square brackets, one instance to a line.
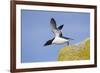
[75, 52]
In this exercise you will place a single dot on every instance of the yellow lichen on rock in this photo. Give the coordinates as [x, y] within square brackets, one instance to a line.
[75, 52]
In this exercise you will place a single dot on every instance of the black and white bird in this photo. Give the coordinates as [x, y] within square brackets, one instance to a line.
[59, 38]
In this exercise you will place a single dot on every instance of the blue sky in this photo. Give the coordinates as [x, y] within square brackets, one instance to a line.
[36, 31]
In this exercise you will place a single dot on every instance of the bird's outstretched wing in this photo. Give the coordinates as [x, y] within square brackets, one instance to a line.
[48, 42]
[60, 27]
[53, 24]
[54, 28]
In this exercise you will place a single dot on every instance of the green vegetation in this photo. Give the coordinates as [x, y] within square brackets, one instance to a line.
[75, 52]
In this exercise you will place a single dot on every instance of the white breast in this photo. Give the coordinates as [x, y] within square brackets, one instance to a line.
[59, 40]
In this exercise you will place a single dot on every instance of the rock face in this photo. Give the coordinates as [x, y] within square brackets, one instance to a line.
[80, 51]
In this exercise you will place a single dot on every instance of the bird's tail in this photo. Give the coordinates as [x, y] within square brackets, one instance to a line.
[67, 38]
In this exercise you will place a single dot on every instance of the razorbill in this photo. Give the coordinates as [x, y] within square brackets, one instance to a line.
[59, 38]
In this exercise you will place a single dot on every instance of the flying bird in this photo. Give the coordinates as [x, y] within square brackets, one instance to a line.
[58, 37]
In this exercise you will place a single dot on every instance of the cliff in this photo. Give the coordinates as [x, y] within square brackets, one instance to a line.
[80, 51]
